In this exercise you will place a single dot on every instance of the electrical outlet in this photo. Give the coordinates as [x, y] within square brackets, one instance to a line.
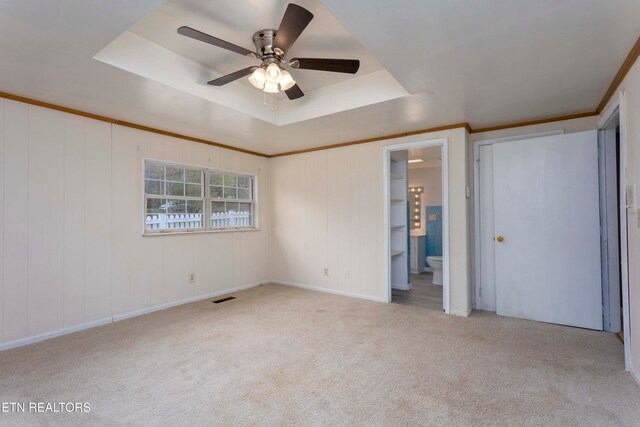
[192, 277]
[326, 271]
[346, 275]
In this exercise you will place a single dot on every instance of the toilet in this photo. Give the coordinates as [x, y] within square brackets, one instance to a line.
[435, 262]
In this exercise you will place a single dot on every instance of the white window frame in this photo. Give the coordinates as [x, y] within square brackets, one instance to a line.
[206, 200]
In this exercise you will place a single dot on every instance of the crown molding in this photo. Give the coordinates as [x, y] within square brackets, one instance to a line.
[620, 75]
[628, 63]
[377, 138]
[536, 122]
[124, 123]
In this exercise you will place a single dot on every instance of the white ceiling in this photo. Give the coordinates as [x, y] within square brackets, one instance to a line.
[187, 64]
[484, 62]
[430, 156]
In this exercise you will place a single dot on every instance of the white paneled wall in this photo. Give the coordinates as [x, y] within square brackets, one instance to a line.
[327, 214]
[345, 186]
[71, 250]
[16, 221]
[299, 227]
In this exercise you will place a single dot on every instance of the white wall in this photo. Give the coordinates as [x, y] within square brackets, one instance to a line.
[327, 210]
[71, 250]
[631, 87]
[431, 179]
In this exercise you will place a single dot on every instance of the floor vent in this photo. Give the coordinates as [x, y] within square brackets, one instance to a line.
[218, 301]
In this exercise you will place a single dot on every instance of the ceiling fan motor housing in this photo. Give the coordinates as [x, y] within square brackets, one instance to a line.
[263, 41]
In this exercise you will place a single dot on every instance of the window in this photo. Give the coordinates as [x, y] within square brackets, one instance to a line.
[185, 198]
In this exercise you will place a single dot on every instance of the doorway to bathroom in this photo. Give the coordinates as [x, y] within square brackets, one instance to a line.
[416, 236]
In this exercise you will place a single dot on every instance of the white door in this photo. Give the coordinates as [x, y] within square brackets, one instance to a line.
[546, 212]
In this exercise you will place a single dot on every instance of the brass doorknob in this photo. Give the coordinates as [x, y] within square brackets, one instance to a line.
[500, 239]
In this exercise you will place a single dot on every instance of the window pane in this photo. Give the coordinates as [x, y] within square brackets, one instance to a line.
[216, 192]
[230, 180]
[246, 220]
[217, 207]
[155, 217]
[174, 206]
[215, 178]
[244, 181]
[194, 206]
[175, 189]
[153, 187]
[230, 193]
[246, 215]
[194, 190]
[218, 215]
[153, 171]
[244, 193]
[244, 207]
[194, 176]
[175, 174]
[154, 205]
[238, 214]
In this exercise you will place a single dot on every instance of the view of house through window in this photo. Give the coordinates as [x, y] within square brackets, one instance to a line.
[185, 198]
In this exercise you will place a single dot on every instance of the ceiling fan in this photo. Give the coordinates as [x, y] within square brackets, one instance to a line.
[271, 48]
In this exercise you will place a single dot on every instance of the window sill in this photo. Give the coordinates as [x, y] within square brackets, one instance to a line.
[182, 233]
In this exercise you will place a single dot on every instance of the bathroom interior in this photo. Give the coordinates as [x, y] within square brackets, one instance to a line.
[424, 220]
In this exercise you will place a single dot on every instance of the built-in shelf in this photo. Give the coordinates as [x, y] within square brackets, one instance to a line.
[398, 227]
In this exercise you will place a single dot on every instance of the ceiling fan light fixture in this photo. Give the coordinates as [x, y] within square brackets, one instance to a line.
[286, 82]
[270, 87]
[258, 78]
[274, 73]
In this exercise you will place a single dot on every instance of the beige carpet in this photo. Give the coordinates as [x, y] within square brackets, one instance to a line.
[285, 356]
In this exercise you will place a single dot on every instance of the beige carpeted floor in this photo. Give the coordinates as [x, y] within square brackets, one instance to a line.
[285, 356]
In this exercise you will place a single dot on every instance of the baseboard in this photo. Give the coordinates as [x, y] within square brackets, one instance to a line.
[105, 321]
[48, 335]
[329, 291]
[189, 300]
[462, 313]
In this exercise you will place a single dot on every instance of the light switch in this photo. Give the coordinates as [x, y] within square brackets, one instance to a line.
[433, 217]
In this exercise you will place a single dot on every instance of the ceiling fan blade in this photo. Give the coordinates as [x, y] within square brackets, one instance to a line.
[294, 21]
[220, 81]
[294, 92]
[203, 37]
[325, 64]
